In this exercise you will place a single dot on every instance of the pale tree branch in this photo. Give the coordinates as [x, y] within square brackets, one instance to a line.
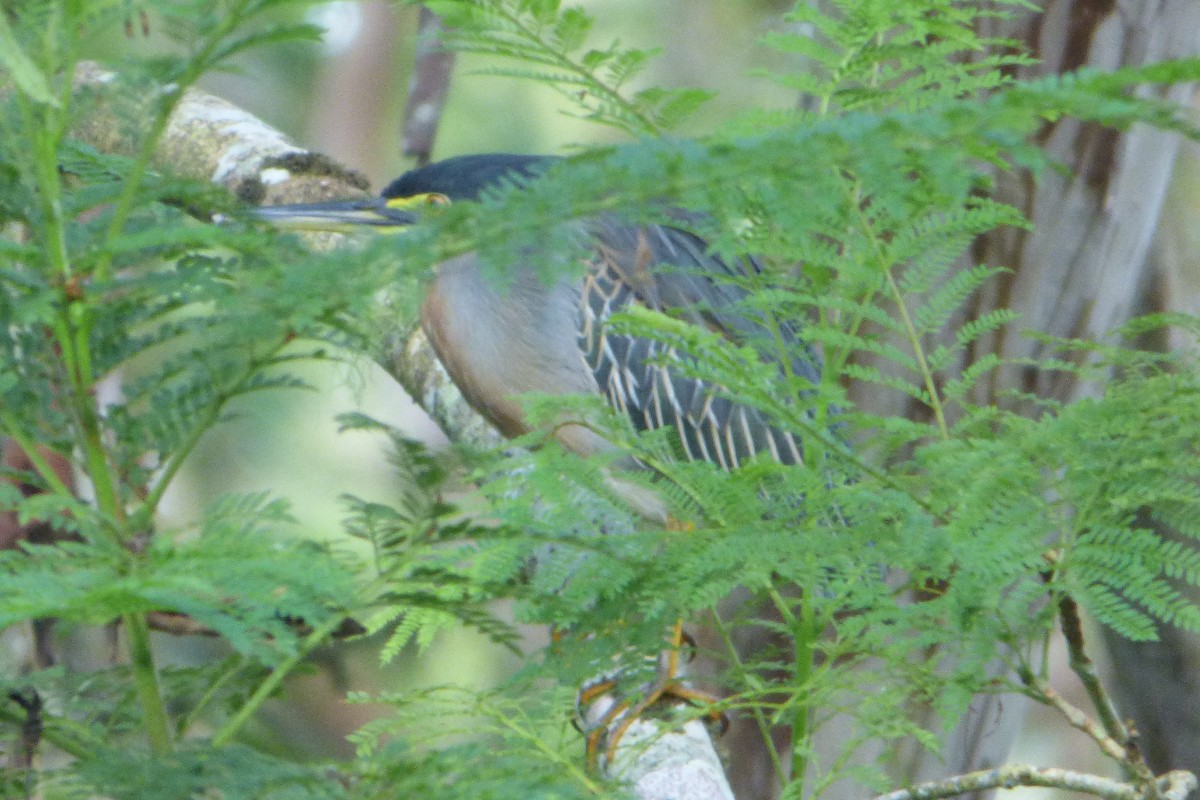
[1171, 786]
[1075, 717]
[677, 763]
[208, 138]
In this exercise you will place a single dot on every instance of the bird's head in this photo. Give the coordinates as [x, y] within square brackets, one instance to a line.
[405, 199]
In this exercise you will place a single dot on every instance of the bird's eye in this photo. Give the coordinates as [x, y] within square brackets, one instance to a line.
[417, 202]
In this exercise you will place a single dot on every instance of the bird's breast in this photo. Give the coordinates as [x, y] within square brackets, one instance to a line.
[501, 342]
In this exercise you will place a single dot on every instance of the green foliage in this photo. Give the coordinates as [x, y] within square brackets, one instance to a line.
[480, 744]
[875, 56]
[234, 772]
[988, 506]
[428, 581]
[547, 43]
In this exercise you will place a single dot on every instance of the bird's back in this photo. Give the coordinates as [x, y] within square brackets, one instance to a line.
[501, 342]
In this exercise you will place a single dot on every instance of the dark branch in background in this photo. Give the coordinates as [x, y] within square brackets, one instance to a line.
[1085, 670]
[178, 624]
[53, 469]
[31, 728]
[63, 733]
[427, 89]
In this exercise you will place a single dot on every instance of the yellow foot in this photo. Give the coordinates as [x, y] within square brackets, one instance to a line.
[604, 734]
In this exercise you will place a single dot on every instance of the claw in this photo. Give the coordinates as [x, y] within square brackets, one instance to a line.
[603, 736]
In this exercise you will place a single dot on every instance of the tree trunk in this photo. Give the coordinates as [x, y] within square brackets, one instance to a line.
[1089, 267]
[1085, 269]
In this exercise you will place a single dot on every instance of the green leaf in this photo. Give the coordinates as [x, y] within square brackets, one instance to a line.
[29, 79]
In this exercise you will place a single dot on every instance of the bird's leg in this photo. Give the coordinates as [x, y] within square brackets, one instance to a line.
[604, 735]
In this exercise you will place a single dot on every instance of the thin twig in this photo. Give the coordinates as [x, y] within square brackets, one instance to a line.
[1173, 785]
[62, 732]
[31, 729]
[319, 636]
[1082, 666]
[740, 672]
[427, 89]
[1075, 716]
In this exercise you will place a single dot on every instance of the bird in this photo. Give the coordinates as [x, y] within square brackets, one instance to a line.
[501, 342]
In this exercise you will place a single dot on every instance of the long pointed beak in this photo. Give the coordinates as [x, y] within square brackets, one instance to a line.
[337, 215]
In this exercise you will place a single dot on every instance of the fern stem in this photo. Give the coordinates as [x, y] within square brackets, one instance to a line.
[910, 330]
[145, 512]
[835, 77]
[104, 483]
[185, 724]
[742, 676]
[860, 316]
[805, 653]
[551, 754]
[694, 493]
[82, 387]
[914, 339]
[272, 682]
[590, 80]
[804, 634]
[820, 410]
[44, 131]
[145, 679]
[83, 400]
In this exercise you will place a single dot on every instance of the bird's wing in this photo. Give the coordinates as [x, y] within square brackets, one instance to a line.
[669, 270]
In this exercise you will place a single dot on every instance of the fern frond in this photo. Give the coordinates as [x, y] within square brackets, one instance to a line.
[594, 81]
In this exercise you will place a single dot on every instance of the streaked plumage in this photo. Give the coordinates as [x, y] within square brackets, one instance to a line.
[499, 344]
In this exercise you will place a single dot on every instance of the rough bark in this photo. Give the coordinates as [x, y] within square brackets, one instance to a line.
[1088, 267]
[1158, 683]
[1085, 268]
[1082, 271]
[208, 138]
